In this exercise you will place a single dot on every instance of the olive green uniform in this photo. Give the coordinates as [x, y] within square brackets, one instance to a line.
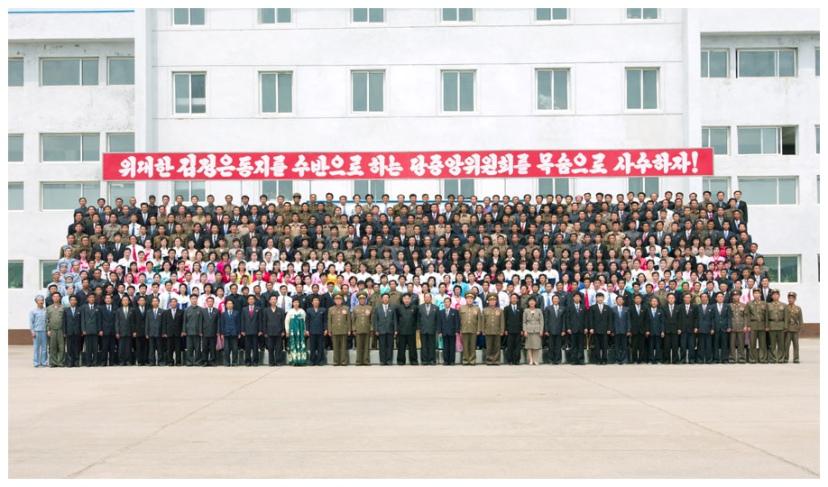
[361, 325]
[54, 325]
[493, 327]
[793, 324]
[470, 325]
[738, 349]
[757, 316]
[776, 327]
[339, 324]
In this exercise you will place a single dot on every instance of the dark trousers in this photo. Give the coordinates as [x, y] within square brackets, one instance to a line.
[409, 343]
[513, 348]
[193, 355]
[555, 343]
[386, 348]
[141, 345]
[125, 350]
[654, 348]
[687, 350]
[638, 352]
[317, 349]
[721, 348]
[73, 345]
[251, 349]
[106, 354]
[671, 348]
[90, 349]
[275, 354]
[576, 350]
[175, 353]
[601, 341]
[449, 349]
[706, 347]
[428, 348]
[621, 348]
[155, 349]
[208, 350]
[231, 350]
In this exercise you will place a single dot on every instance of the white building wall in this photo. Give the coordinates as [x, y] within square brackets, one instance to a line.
[412, 46]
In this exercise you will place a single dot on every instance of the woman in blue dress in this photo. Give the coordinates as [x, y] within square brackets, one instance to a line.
[297, 349]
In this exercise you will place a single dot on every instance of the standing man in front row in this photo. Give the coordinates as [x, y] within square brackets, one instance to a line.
[738, 334]
[173, 328]
[494, 327]
[757, 316]
[274, 329]
[154, 327]
[654, 331]
[553, 319]
[576, 324]
[192, 330]
[600, 327]
[513, 317]
[449, 325]
[55, 318]
[776, 328]
[722, 320]
[37, 325]
[384, 324]
[209, 331]
[251, 329]
[73, 332]
[793, 324]
[621, 330]
[470, 326]
[361, 324]
[339, 325]
[90, 327]
[427, 324]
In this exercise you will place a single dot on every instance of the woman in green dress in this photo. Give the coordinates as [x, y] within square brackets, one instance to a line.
[297, 350]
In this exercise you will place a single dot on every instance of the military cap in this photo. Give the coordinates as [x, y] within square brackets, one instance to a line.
[297, 195]
[469, 294]
[791, 294]
[491, 296]
[775, 291]
[362, 295]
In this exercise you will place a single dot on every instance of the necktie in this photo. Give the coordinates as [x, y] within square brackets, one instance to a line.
[251, 311]
[108, 307]
[514, 309]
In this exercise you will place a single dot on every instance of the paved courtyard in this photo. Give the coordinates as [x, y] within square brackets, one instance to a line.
[547, 421]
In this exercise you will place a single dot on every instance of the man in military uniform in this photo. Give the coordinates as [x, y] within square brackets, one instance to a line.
[470, 326]
[776, 328]
[494, 327]
[757, 317]
[361, 327]
[793, 324]
[339, 326]
[54, 330]
[739, 326]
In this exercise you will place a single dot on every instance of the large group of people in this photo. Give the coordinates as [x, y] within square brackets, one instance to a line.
[628, 278]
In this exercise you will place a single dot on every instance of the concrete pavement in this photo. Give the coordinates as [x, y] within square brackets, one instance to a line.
[545, 421]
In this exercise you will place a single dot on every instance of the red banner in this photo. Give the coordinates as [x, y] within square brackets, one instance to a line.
[407, 165]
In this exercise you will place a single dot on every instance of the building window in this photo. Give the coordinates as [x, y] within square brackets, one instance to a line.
[188, 16]
[69, 72]
[374, 187]
[367, 91]
[642, 88]
[714, 63]
[15, 196]
[188, 189]
[782, 268]
[277, 188]
[717, 138]
[816, 66]
[554, 186]
[274, 15]
[458, 91]
[642, 185]
[47, 267]
[15, 71]
[123, 142]
[70, 147]
[767, 140]
[642, 13]
[121, 71]
[817, 141]
[770, 190]
[16, 274]
[190, 92]
[766, 62]
[553, 89]
[547, 14]
[716, 184]
[458, 187]
[15, 147]
[367, 15]
[458, 14]
[122, 190]
[64, 196]
[276, 92]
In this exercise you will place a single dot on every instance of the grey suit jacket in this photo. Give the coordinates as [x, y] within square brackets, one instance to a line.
[428, 322]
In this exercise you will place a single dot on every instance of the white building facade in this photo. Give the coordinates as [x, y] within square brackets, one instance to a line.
[171, 80]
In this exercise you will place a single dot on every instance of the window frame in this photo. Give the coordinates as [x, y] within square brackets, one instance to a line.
[458, 21]
[707, 51]
[260, 107]
[657, 108]
[22, 195]
[740, 179]
[816, 61]
[367, 111]
[189, 17]
[275, 16]
[189, 113]
[189, 194]
[287, 196]
[553, 110]
[22, 148]
[776, 51]
[22, 274]
[109, 60]
[371, 188]
[82, 184]
[706, 186]
[778, 268]
[441, 100]
[555, 182]
[63, 134]
[367, 20]
[22, 72]
[644, 184]
[552, 19]
[109, 145]
[80, 60]
[641, 19]
[779, 136]
[726, 128]
[459, 191]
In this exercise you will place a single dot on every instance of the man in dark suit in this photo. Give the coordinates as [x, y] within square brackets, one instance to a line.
[706, 331]
[139, 330]
[209, 330]
[317, 326]
[384, 325]
[600, 328]
[638, 320]
[722, 327]
[406, 330]
[124, 316]
[90, 318]
[448, 325]
[553, 319]
[72, 331]
[654, 331]
[621, 330]
[576, 323]
[688, 326]
[273, 318]
[173, 327]
[427, 324]
[251, 330]
[192, 330]
[513, 318]
[154, 328]
[671, 331]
